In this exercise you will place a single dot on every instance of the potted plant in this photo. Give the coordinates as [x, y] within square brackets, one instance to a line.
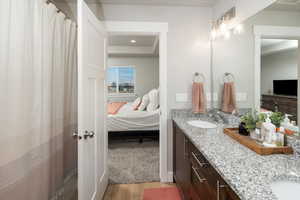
[250, 121]
[261, 118]
[276, 119]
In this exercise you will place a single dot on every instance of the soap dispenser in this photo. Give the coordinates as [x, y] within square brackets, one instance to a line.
[286, 122]
[268, 130]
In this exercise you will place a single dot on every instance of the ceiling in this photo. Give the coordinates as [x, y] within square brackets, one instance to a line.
[145, 45]
[272, 46]
[269, 42]
[125, 40]
[158, 2]
[285, 5]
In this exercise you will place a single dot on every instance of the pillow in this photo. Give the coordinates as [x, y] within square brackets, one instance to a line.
[144, 103]
[153, 100]
[136, 103]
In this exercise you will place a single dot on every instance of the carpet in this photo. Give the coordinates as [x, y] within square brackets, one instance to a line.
[133, 162]
[166, 193]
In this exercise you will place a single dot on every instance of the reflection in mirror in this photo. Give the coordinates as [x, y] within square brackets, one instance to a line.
[277, 75]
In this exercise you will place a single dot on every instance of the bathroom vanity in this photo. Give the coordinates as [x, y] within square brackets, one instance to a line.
[195, 176]
[209, 165]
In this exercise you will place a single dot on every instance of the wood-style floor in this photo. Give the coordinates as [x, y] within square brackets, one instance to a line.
[131, 191]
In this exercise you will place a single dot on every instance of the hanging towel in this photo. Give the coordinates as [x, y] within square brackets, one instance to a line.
[229, 101]
[199, 100]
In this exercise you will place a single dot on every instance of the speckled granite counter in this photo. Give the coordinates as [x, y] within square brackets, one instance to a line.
[248, 173]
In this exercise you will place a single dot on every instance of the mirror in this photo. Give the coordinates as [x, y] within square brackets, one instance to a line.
[279, 75]
[255, 56]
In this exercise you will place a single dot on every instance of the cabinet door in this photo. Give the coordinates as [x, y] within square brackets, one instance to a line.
[182, 171]
[224, 192]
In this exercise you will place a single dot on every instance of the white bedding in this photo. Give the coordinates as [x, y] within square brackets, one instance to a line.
[128, 119]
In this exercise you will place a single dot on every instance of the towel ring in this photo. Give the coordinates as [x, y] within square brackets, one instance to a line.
[198, 78]
[228, 77]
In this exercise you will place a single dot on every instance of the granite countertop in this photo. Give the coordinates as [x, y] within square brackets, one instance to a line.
[249, 174]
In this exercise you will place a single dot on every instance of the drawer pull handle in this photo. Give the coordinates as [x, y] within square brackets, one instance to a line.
[198, 161]
[201, 180]
[219, 186]
[186, 155]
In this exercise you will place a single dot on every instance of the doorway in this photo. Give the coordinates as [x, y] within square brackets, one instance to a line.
[133, 117]
[160, 31]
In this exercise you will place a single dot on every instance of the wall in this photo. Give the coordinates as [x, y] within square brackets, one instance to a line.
[236, 55]
[279, 66]
[147, 72]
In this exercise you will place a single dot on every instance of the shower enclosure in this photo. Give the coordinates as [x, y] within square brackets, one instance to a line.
[38, 102]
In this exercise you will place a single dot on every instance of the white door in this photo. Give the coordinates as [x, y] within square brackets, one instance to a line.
[92, 135]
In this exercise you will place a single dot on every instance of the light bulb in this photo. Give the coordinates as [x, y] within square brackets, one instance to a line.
[227, 35]
[213, 34]
[238, 29]
[223, 27]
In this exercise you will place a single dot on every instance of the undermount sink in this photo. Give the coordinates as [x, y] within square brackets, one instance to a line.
[286, 190]
[201, 124]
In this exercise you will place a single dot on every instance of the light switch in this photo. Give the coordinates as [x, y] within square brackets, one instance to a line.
[181, 97]
[208, 96]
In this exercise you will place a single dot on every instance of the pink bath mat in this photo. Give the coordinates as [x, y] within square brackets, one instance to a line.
[165, 193]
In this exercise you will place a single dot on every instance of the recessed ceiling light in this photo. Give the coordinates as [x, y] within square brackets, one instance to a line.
[132, 41]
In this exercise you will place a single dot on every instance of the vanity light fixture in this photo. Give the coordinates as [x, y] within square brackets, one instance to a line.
[133, 41]
[221, 27]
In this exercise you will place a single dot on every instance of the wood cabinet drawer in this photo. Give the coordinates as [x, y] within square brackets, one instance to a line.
[200, 185]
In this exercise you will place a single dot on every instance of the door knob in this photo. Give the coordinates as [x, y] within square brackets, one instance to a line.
[76, 136]
[89, 134]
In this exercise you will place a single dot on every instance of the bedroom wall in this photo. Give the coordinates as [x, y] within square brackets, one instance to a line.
[236, 55]
[279, 66]
[147, 73]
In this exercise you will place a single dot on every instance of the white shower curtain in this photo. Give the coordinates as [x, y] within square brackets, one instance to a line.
[38, 85]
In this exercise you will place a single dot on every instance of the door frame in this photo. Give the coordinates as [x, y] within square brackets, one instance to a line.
[160, 29]
[260, 32]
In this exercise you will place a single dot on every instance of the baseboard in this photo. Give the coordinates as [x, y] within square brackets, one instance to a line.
[170, 177]
[102, 185]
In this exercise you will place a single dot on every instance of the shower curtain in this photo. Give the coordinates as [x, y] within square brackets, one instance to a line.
[38, 108]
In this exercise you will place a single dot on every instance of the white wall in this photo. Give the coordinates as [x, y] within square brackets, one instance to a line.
[147, 71]
[188, 48]
[279, 66]
[236, 55]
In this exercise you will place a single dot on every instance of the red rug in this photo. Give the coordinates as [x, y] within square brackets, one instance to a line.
[165, 193]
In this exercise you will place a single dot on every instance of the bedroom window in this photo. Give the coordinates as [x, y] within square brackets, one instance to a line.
[121, 80]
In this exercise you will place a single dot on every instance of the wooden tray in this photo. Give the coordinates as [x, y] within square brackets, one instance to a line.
[254, 146]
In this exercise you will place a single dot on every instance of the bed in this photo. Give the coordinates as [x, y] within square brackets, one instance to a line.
[127, 119]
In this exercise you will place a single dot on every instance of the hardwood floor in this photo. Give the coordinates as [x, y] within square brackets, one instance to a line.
[131, 191]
